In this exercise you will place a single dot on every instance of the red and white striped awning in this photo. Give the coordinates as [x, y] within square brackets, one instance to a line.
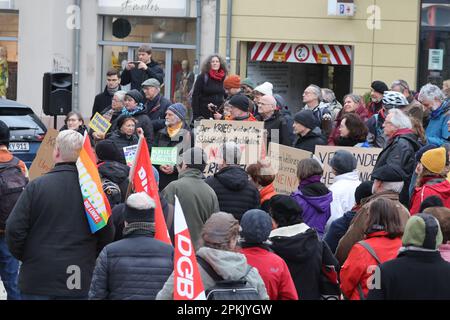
[302, 53]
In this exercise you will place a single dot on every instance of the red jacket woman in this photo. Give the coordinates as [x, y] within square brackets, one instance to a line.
[383, 237]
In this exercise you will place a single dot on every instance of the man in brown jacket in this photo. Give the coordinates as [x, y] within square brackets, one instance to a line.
[388, 183]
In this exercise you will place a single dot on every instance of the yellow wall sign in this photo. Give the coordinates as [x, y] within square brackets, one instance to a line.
[323, 58]
[279, 56]
[99, 124]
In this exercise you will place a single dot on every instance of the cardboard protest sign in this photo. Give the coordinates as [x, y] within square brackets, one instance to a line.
[130, 154]
[284, 161]
[163, 156]
[366, 159]
[212, 134]
[99, 124]
[43, 162]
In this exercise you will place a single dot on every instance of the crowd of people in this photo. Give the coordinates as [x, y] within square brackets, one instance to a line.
[387, 238]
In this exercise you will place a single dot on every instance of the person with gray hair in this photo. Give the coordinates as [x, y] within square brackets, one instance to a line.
[137, 266]
[388, 183]
[433, 99]
[49, 232]
[329, 98]
[312, 98]
[400, 148]
[197, 199]
[414, 108]
[236, 193]
[145, 68]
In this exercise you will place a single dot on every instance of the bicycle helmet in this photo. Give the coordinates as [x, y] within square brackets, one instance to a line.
[394, 99]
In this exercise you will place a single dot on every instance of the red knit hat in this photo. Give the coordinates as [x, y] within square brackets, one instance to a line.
[232, 81]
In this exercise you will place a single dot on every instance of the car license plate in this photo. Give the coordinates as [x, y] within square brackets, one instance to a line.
[19, 146]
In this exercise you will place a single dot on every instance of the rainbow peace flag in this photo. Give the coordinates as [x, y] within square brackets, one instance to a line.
[95, 201]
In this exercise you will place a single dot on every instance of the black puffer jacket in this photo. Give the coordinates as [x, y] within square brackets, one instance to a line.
[400, 152]
[206, 90]
[116, 172]
[310, 140]
[121, 141]
[236, 194]
[277, 122]
[304, 254]
[156, 111]
[137, 76]
[134, 268]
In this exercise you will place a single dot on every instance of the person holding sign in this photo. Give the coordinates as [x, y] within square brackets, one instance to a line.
[125, 136]
[48, 230]
[175, 134]
[137, 266]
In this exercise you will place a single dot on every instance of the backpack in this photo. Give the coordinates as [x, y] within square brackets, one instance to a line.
[228, 289]
[12, 183]
[112, 192]
[367, 246]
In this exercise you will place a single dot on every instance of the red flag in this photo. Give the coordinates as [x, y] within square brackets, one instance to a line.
[188, 284]
[144, 180]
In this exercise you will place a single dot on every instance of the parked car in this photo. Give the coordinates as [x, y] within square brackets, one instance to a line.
[26, 130]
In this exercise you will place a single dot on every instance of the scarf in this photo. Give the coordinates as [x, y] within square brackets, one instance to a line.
[443, 108]
[310, 180]
[174, 130]
[400, 132]
[131, 113]
[140, 228]
[267, 193]
[112, 91]
[218, 75]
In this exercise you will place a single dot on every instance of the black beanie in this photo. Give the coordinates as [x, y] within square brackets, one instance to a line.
[107, 150]
[4, 134]
[379, 86]
[239, 101]
[343, 162]
[364, 190]
[306, 118]
[136, 95]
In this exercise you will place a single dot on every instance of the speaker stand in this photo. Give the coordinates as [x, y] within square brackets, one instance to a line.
[55, 120]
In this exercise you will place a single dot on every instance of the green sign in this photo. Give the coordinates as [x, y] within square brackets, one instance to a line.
[162, 156]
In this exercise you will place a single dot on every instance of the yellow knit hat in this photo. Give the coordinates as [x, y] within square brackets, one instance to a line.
[434, 160]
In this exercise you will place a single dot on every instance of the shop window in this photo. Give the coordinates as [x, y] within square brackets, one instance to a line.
[9, 27]
[150, 30]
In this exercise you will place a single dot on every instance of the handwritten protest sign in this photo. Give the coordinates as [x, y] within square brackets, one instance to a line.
[43, 162]
[163, 156]
[99, 124]
[130, 154]
[366, 159]
[284, 161]
[212, 134]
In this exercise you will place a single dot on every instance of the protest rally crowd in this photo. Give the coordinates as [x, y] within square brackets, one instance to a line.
[387, 238]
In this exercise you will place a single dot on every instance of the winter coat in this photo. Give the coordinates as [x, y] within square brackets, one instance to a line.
[273, 270]
[400, 151]
[431, 186]
[206, 90]
[121, 140]
[102, 101]
[134, 268]
[143, 121]
[437, 132]
[444, 249]
[355, 270]
[357, 227]
[227, 264]
[235, 192]
[49, 232]
[182, 141]
[303, 252]
[137, 76]
[156, 111]
[361, 111]
[315, 200]
[338, 228]
[116, 172]
[343, 190]
[414, 275]
[376, 137]
[277, 122]
[374, 107]
[309, 141]
[197, 199]
[286, 113]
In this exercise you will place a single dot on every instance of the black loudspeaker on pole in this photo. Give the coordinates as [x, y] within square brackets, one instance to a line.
[57, 94]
